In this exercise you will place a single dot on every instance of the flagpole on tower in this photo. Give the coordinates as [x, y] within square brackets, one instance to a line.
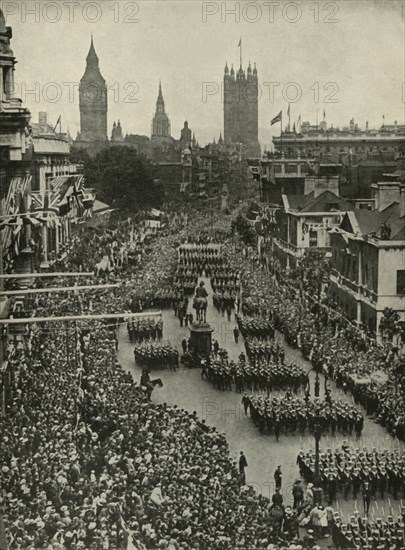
[240, 52]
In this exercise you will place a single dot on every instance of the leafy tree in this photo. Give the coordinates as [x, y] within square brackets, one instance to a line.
[122, 178]
[245, 229]
[389, 324]
[79, 155]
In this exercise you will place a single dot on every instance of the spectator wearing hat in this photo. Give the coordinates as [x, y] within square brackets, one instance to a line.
[278, 477]
[298, 494]
[242, 465]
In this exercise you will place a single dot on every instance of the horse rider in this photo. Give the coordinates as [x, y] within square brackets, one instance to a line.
[200, 300]
[145, 380]
[200, 291]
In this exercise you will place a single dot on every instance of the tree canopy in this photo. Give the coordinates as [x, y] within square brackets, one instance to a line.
[122, 178]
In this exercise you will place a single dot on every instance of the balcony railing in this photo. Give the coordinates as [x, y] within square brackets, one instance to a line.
[299, 250]
[355, 288]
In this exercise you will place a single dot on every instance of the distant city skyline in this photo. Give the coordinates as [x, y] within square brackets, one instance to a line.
[171, 42]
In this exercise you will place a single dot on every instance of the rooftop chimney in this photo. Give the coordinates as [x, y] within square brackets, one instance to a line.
[388, 193]
[43, 117]
[402, 201]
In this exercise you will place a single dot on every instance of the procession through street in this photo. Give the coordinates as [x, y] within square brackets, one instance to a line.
[226, 411]
[310, 446]
[202, 338]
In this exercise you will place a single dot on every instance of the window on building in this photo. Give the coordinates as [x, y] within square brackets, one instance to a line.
[313, 238]
[401, 281]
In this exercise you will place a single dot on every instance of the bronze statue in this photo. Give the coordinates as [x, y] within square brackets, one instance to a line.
[200, 303]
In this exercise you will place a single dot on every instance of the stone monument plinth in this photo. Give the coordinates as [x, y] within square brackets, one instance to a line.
[200, 335]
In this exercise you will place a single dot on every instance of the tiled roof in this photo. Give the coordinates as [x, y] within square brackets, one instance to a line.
[367, 223]
[46, 145]
[297, 202]
[43, 130]
[325, 202]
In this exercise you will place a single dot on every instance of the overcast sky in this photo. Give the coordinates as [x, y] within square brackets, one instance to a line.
[348, 51]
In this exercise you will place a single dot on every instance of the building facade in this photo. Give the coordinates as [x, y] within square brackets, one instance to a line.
[15, 176]
[348, 144]
[365, 154]
[241, 108]
[368, 250]
[304, 222]
[280, 175]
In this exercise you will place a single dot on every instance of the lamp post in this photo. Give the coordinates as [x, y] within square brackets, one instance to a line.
[317, 433]
[317, 481]
[317, 385]
[301, 294]
[318, 425]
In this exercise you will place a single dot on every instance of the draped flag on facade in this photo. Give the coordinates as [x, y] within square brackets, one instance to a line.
[10, 225]
[18, 186]
[45, 201]
[72, 190]
[56, 183]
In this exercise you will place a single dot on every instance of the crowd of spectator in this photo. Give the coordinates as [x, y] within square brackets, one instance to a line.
[87, 462]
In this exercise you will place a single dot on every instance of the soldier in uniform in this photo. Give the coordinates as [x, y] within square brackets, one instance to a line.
[366, 497]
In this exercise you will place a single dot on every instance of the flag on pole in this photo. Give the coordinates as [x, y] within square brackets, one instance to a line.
[57, 122]
[240, 43]
[276, 119]
[288, 110]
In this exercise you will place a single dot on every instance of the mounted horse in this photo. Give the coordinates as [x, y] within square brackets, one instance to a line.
[147, 385]
[200, 303]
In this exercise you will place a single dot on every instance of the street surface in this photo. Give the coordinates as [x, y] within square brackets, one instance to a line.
[223, 409]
